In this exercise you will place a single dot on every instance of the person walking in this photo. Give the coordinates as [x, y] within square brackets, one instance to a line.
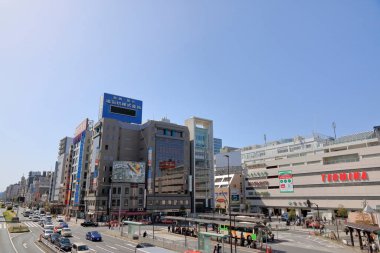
[168, 229]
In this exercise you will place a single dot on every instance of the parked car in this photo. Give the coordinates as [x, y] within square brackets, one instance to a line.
[88, 223]
[93, 236]
[144, 245]
[60, 219]
[47, 233]
[80, 247]
[35, 218]
[66, 232]
[64, 244]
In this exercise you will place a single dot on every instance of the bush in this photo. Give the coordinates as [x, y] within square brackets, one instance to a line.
[342, 212]
[9, 208]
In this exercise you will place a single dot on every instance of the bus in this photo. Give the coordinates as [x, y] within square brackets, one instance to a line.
[247, 229]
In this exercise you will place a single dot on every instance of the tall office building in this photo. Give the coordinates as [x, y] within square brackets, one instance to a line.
[136, 168]
[202, 155]
[79, 167]
[217, 145]
[58, 178]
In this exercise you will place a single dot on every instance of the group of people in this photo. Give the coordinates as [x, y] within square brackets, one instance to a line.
[182, 231]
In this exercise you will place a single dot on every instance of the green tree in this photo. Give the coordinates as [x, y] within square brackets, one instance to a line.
[292, 214]
[342, 212]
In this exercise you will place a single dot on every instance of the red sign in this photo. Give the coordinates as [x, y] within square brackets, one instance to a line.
[167, 165]
[344, 176]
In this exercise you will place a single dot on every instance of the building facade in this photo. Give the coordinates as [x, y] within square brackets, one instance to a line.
[330, 173]
[157, 153]
[218, 144]
[202, 159]
[58, 179]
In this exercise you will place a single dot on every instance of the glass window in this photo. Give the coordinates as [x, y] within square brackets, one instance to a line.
[126, 190]
[119, 190]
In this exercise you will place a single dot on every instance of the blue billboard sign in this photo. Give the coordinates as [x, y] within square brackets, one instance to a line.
[121, 108]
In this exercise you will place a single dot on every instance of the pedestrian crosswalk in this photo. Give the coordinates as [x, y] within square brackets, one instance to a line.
[32, 224]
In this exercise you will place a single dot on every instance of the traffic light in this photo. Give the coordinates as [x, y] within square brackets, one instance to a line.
[308, 203]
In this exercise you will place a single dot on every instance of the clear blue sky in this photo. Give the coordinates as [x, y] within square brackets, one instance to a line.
[276, 67]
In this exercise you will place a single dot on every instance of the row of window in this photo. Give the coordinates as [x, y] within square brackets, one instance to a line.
[168, 202]
[117, 190]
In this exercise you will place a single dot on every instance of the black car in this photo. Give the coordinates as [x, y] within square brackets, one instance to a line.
[53, 238]
[89, 223]
[64, 244]
[144, 245]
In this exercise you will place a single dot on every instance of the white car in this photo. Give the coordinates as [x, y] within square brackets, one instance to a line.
[47, 233]
[49, 227]
[60, 219]
[66, 232]
[80, 247]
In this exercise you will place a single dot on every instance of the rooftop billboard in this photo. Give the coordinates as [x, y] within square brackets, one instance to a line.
[120, 108]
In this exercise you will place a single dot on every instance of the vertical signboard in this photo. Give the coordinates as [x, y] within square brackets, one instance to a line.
[286, 181]
[79, 171]
[149, 172]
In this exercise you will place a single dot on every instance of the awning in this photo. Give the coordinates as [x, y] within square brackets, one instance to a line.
[364, 227]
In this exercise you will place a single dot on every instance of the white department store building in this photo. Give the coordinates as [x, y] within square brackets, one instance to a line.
[330, 173]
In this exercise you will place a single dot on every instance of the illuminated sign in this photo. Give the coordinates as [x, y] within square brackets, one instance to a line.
[344, 176]
[167, 165]
[286, 181]
[121, 108]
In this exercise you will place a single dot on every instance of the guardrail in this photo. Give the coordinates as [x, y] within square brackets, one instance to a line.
[50, 245]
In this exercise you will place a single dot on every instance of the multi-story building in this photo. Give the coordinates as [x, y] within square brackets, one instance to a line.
[331, 173]
[136, 167]
[80, 159]
[217, 145]
[58, 179]
[228, 175]
[202, 155]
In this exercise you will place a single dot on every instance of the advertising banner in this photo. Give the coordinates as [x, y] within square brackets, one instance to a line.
[286, 181]
[128, 171]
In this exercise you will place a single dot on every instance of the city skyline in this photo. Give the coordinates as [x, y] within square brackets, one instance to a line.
[254, 68]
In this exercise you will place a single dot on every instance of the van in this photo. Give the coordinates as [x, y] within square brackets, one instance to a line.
[80, 247]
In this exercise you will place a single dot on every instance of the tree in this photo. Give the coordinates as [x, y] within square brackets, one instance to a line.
[342, 212]
[292, 214]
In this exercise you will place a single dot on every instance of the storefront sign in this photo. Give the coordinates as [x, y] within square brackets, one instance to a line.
[344, 176]
[286, 181]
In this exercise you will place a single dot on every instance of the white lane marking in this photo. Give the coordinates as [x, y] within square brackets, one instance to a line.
[38, 247]
[10, 239]
[131, 245]
[25, 245]
[122, 246]
[92, 249]
[76, 237]
[111, 247]
[105, 249]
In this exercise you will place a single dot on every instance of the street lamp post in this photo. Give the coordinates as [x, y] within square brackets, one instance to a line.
[229, 199]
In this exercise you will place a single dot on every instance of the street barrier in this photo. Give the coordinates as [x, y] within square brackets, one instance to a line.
[48, 244]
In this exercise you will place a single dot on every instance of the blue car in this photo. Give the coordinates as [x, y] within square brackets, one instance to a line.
[93, 236]
[63, 225]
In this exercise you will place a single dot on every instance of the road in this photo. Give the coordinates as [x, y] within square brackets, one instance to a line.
[5, 241]
[293, 241]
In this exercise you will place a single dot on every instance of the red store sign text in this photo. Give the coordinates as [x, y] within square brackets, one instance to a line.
[344, 176]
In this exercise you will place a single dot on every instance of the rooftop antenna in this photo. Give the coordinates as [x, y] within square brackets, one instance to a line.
[265, 139]
[334, 127]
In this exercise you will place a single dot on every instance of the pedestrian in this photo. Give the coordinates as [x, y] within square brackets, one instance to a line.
[76, 220]
[109, 225]
[144, 234]
[168, 229]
